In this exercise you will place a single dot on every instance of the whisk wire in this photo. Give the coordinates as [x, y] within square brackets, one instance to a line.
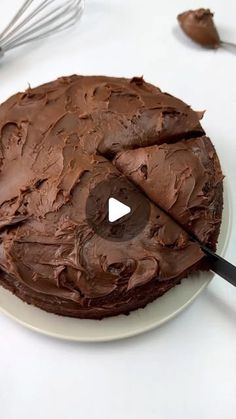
[17, 16]
[12, 29]
[61, 17]
[61, 26]
[36, 26]
[16, 28]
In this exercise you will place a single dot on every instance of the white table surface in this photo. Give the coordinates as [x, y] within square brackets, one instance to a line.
[186, 368]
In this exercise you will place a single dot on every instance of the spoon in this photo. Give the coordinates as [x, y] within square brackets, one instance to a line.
[199, 26]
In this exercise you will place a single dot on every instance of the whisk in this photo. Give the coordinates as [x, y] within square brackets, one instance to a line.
[33, 23]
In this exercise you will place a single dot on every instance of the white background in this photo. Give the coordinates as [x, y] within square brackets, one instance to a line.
[186, 368]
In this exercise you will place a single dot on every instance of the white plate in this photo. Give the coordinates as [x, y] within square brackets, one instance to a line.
[153, 315]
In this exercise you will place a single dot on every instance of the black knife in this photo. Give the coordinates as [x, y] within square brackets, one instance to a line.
[219, 265]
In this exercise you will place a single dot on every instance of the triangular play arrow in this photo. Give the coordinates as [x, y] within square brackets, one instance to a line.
[116, 209]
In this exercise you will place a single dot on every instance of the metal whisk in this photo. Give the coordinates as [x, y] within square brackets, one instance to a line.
[46, 18]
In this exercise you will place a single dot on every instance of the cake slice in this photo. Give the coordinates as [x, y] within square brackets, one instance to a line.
[184, 178]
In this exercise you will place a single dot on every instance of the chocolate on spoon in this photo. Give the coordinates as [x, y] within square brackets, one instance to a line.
[199, 26]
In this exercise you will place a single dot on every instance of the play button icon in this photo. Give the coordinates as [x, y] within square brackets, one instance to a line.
[116, 210]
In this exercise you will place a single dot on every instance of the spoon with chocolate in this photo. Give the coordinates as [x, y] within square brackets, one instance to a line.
[199, 26]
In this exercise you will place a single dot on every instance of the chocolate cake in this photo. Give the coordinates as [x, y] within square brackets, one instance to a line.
[61, 141]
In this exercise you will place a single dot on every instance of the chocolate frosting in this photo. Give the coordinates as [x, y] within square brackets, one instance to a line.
[56, 145]
[199, 26]
[184, 179]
